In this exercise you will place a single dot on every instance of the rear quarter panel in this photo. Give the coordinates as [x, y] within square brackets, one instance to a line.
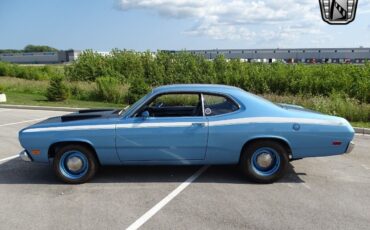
[229, 132]
[225, 143]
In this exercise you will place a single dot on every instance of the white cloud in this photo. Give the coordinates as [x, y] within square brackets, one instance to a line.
[249, 20]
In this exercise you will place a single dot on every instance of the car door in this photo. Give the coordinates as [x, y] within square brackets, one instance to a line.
[164, 129]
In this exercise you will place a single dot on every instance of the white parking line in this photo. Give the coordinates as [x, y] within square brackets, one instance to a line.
[20, 122]
[3, 110]
[144, 218]
[8, 158]
[300, 184]
[306, 185]
[365, 167]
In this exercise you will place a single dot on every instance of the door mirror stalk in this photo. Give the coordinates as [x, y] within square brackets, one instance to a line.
[145, 114]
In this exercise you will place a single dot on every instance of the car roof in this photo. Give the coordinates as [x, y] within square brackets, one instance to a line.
[196, 87]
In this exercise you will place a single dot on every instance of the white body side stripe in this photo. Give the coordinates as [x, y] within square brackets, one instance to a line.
[274, 120]
[155, 125]
[238, 121]
[70, 128]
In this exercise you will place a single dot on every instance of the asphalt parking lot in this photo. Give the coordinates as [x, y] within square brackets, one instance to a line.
[317, 193]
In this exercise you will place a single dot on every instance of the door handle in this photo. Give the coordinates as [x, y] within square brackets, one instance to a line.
[201, 124]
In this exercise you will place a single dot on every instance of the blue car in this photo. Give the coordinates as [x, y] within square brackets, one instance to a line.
[187, 125]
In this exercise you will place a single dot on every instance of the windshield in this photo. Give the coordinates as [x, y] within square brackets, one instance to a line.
[129, 108]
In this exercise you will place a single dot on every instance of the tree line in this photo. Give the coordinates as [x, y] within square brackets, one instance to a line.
[30, 49]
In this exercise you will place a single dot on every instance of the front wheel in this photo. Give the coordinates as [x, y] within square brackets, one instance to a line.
[75, 164]
[264, 161]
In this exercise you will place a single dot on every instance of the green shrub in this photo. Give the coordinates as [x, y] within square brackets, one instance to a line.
[89, 66]
[57, 90]
[127, 64]
[78, 93]
[3, 69]
[183, 67]
[29, 72]
[109, 89]
[2, 89]
[138, 88]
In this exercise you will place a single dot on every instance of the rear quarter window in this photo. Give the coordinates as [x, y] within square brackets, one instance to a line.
[218, 104]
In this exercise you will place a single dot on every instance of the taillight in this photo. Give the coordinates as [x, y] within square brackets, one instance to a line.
[336, 142]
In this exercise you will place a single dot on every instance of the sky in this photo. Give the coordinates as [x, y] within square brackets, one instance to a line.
[176, 24]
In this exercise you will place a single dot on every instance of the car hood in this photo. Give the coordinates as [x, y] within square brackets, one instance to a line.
[90, 114]
[82, 117]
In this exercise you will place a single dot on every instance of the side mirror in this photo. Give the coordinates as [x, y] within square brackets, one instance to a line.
[145, 114]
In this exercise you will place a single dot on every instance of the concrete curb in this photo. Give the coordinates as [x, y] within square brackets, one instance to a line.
[32, 107]
[358, 130]
[362, 130]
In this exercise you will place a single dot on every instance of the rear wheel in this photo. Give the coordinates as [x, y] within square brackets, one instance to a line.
[264, 161]
[75, 164]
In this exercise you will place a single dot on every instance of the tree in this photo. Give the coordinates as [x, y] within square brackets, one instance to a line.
[57, 90]
[35, 48]
[138, 88]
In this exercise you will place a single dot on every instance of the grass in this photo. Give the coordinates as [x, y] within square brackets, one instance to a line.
[361, 124]
[16, 98]
[12, 84]
[80, 90]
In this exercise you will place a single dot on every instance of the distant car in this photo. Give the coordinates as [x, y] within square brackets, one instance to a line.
[187, 125]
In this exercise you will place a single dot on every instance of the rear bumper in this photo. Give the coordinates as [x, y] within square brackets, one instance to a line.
[350, 147]
[25, 156]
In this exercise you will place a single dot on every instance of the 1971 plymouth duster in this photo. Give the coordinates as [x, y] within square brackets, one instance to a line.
[187, 125]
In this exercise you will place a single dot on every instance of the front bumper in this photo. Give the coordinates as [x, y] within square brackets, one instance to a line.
[350, 147]
[25, 156]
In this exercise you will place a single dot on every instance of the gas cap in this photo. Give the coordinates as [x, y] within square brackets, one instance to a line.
[296, 127]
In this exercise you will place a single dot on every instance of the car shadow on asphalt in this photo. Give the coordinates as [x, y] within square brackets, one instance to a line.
[18, 172]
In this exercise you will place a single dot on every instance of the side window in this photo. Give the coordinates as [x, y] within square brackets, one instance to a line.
[175, 100]
[174, 105]
[217, 105]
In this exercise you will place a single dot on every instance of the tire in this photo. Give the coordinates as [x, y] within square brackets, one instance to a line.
[82, 164]
[255, 161]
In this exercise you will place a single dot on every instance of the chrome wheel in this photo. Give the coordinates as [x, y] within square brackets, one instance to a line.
[264, 160]
[74, 164]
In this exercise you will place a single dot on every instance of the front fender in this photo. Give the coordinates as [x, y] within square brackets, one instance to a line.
[103, 142]
[107, 155]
